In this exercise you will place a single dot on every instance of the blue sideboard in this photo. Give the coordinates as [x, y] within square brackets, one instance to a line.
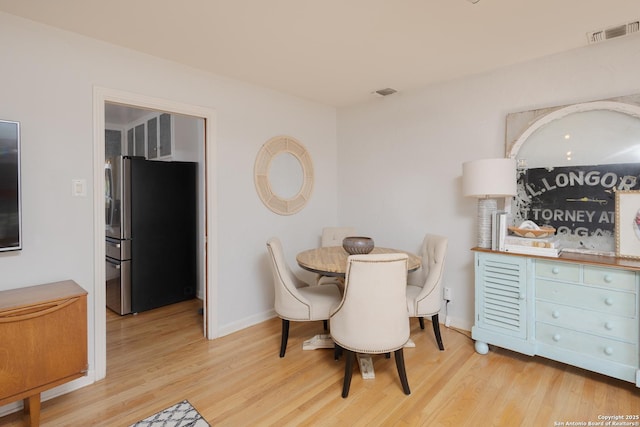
[577, 309]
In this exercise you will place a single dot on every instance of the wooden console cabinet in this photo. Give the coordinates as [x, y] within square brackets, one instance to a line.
[582, 310]
[43, 341]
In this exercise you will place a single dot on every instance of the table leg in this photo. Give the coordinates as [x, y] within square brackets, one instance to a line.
[325, 341]
[318, 341]
[32, 407]
[365, 362]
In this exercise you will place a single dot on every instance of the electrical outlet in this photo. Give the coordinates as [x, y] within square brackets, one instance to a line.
[447, 294]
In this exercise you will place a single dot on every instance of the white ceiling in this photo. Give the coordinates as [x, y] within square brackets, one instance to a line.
[336, 52]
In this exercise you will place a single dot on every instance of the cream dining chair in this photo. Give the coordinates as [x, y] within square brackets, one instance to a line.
[424, 287]
[333, 236]
[295, 299]
[372, 317]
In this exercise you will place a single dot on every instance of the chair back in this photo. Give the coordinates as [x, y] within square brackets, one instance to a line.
[372, 316]
[289, 303]
[429, 275]
[333, 236]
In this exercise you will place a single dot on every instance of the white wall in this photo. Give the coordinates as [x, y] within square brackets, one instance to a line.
[48, 78]
[400, 158]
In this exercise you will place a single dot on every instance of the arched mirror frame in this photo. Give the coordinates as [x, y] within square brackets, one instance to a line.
[546, 116]
[270, 150]
[520, 126]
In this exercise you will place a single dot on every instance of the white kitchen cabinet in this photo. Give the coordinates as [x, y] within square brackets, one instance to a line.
[151, 136]
[577, 309]
[165, 139]
[136, 140]
[160, 136]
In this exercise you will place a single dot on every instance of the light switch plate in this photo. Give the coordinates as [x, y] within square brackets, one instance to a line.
[79, 187]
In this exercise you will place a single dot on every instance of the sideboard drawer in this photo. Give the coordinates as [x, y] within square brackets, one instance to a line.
[588, 345]
[603, 324]
[600, 299]
[558, 270]
[611, 278]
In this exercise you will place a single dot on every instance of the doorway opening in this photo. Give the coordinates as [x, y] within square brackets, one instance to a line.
[154, 208]
[118, 102]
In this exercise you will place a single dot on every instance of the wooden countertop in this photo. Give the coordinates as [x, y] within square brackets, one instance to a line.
[582, 258]
[56, 291]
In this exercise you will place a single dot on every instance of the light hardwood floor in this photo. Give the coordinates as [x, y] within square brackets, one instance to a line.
[160, 357]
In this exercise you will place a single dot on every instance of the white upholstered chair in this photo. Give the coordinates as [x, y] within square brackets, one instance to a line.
[424, 288]
[372, 317]
[295, 299]
[333, 236]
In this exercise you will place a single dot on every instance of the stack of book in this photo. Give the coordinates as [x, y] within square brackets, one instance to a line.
[545, 246]
[502, 241]
[498, 230]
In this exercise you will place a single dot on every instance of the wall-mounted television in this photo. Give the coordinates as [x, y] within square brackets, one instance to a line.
[10, 206]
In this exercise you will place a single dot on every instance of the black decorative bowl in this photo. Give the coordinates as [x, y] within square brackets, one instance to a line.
[357, 245]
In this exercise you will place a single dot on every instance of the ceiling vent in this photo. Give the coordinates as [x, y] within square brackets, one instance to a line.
[613, 32]
[385, 92]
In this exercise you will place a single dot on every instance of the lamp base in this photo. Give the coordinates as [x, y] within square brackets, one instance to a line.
[486, 207]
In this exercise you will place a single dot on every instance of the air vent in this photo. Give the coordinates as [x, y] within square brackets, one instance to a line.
[385, 92]
[613, 32]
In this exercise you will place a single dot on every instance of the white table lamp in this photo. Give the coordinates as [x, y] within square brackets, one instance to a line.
[488, 179]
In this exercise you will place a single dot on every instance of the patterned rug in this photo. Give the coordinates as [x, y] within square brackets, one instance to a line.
[179, 415]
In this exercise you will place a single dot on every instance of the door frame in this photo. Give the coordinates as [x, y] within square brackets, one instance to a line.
[102, 95]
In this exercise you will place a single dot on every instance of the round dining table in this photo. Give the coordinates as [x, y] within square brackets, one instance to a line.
[332, 260]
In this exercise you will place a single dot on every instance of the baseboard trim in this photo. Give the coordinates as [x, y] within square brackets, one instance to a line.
[50, 394]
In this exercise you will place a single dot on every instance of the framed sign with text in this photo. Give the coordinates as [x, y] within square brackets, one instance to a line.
[628, 224]
[578, 201]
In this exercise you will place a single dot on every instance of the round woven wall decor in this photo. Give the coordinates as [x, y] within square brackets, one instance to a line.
[270, 149]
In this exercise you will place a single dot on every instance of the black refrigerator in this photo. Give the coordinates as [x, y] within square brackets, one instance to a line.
[151, 233]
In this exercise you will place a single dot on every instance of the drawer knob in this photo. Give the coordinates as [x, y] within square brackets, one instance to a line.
[555, 270]
[555, 314]
[608, 326]
[608, 301]
[521, 296]
[556, 337]
[608, 278]
[608, 351]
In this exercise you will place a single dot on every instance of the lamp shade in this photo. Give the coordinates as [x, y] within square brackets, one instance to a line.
[489, 178]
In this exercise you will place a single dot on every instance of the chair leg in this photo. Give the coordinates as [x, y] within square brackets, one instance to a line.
[436, 331]
[285, 337]
[348, 372]
[337, 351]
[401, 371]
[421, 320]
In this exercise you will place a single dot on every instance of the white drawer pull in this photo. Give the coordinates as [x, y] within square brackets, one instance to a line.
[556, 337]
[608, 351]
[555, 270]
[608, 326]
[522, 296]
[608, 278]
[555, 314]
[608, 301]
